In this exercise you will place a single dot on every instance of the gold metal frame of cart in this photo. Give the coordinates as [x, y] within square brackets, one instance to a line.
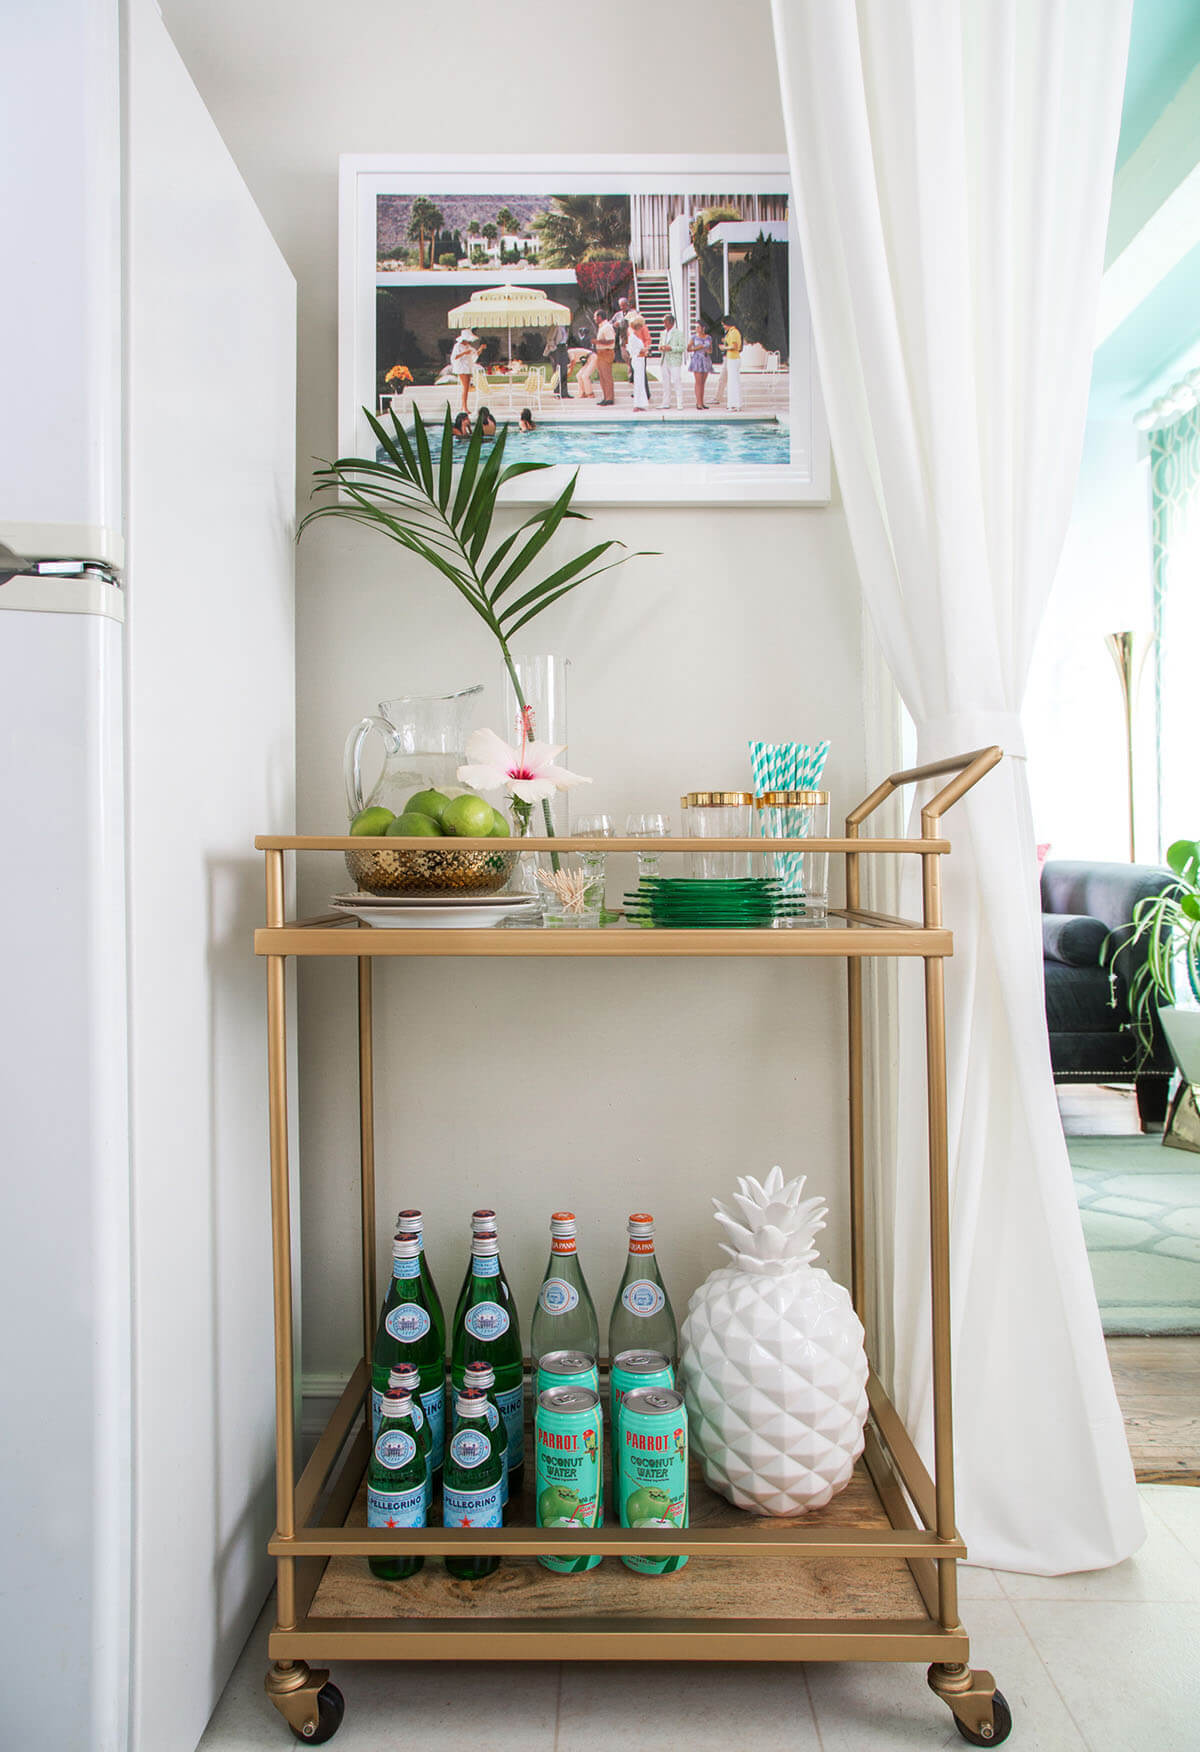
[928, 1541]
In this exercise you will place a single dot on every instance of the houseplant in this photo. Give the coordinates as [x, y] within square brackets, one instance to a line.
[443, 510]
[1170, 923]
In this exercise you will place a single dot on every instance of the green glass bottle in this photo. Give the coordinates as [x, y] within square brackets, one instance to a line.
[471, 1489]
[407, 1377]
[565, 1316]
[396, 1482]
[483, 1376]
[490, 1332]
[407, 1335]
[410, 1223]
[642, 1317]
[483, 1222]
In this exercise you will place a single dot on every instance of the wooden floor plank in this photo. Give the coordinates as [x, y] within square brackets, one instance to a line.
[1158, 1388]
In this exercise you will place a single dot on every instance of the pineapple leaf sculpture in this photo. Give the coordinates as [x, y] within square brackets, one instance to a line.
[773, 1363]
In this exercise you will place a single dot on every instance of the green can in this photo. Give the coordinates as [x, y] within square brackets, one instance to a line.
[568, 1447]
[568, 1368]
[651, 1478]
[632, 1369]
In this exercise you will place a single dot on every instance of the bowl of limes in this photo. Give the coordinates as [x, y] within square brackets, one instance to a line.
[444, 868]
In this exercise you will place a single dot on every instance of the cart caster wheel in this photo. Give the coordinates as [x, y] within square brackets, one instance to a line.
[1001, 1724]
[331, 1707]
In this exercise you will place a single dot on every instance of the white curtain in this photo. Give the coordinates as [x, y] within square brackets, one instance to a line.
[951, 163]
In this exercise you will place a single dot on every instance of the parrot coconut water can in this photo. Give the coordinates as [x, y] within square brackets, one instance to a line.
[567, 1368]
[651, 1482]
[568, 1446]
[632, 1369]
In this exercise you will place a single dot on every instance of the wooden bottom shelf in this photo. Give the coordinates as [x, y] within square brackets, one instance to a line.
[706, 1587]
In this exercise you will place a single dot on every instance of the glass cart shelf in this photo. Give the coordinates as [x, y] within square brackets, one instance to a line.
[870, 1577]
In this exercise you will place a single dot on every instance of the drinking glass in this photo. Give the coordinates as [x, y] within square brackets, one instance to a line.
[648, 827]
[594, 827]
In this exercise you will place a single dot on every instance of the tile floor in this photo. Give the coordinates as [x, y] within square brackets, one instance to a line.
[1104, 1662]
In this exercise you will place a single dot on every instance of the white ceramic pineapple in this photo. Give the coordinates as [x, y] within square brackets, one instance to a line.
[773, 1363]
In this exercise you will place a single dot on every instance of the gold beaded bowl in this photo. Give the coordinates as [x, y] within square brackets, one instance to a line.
[440, 870]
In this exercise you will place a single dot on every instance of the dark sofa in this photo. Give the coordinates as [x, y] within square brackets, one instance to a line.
[1090, 1040]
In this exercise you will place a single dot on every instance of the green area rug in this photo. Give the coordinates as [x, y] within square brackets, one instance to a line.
[1140, 1205]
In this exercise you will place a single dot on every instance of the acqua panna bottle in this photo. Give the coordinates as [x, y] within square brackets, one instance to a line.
[490, 1332]
[411, 1223]
[565, 1316]
[642, 1318]
[407, 1335]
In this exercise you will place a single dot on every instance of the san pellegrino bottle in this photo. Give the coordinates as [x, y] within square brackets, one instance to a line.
[490, 1332]
[471, 1487]
[483, 1222]
[483, 1376]
[407, 1335]
[565, 1316]
[407, 1377]
[642, 1317]
[410, 1223]
[396, 1482]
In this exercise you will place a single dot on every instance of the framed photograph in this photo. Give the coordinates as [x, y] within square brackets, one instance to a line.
[643, 321]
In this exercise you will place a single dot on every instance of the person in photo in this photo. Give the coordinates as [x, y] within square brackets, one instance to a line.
[462, 426]
[559, 355]
[525, 420]
[671, 346]
[605, 345]
[637, 341]
[731, 370]
[620, 323]
[699, 362]
[464, 355]
[487, 421]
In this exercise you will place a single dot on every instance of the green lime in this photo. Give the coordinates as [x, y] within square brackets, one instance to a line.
[373, 821]
[413, 826]
[469, 817]
[431, 803]
[500, 827]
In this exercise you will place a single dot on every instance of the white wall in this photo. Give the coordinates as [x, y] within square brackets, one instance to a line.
[1073, 714]
[613, 1086]
[211, 372]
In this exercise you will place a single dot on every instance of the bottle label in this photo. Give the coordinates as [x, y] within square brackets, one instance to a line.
[512, 1409]
[471, 1508]
[434, 1402]
[557, 1296]
[401, 1508]
[485, 1265]
[406, 1268]
[638, 1244]
[486, 1320]
[563, 1244]
[643, 1297]
[408, 1322]
[470, 1447]
[394, 1449]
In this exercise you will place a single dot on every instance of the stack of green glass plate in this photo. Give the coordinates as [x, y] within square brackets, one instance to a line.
[691, 903]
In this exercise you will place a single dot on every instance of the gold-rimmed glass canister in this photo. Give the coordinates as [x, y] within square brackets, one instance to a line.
[803, 875]
[717, 815]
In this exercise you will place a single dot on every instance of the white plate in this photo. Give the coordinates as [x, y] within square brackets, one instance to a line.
[435, 918]
[447, 902]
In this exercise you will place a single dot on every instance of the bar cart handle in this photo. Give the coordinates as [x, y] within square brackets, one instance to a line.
[967, 768]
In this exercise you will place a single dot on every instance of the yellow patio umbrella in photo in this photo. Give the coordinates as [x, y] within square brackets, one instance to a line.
[508, 308]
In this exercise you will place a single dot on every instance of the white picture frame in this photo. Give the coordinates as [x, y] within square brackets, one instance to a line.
[804, 479]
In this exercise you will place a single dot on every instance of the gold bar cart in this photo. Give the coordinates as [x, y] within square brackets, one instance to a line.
[873, 1576]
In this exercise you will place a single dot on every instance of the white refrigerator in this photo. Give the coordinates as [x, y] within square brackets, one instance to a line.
[147, 432]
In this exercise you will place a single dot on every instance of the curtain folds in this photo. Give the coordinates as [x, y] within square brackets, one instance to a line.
[951, 164]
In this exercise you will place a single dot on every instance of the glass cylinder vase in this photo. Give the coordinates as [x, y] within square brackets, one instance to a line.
[535, 710]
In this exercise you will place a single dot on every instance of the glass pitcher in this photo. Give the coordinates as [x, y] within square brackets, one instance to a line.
[423, 737]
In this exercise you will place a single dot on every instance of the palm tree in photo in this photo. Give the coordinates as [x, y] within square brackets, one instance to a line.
[424, 217]
[507, 220]
[490, 231]
[579, 226]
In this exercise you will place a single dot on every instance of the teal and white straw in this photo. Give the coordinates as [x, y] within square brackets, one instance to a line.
[787, 766]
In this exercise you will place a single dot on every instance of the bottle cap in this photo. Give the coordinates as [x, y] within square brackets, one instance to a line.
[641, 1223]
[562, 1223]
[484, 1246]
[397, 1402]
[470, 1402]
[480, 1375]
[406, 1246]
[409, 1222]
[482, 1222]
[404, 1375]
